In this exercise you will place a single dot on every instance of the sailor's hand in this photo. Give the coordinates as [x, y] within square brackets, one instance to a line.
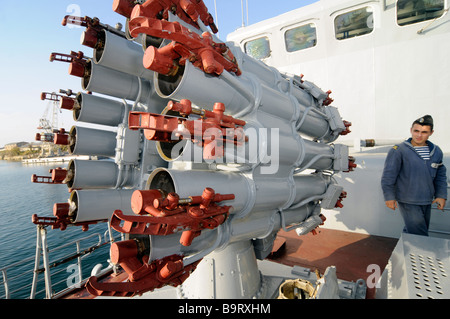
[392, 204]
[440, 203]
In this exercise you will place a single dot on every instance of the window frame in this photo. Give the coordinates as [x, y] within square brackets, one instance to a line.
[445, 7]
[303, 24]
[260, 36]
[372, 29]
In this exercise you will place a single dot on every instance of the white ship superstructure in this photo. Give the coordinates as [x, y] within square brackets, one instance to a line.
[216, 152]
[386, 64]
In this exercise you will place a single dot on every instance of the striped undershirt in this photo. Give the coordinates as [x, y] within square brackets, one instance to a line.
[423, 151]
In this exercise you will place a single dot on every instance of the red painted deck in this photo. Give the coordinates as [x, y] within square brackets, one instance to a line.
[351, 253]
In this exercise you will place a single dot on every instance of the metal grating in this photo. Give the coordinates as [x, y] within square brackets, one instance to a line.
[429, 276]
[419, 268]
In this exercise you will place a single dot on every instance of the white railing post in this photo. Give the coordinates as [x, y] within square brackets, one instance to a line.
[48, 280]
[80, 272]
[36, 262]
[5, 281]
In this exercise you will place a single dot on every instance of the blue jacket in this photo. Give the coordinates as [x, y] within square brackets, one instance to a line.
[409, 179]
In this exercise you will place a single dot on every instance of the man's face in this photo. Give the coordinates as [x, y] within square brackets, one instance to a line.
[420, 134]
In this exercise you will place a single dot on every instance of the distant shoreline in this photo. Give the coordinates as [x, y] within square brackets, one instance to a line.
[17, 158]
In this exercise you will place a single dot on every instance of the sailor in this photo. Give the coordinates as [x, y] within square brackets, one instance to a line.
[414, 178]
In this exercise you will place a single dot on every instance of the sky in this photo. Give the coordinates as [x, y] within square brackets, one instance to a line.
[31, 34]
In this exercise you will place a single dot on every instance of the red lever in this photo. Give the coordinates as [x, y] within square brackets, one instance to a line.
[62, 219]
[92, 36]
[328, 100]
[61, 137]
[76, 59]
[46, 137]
[347, 128]
[188, 10]
[142, 276]
[351, 164]
[167, 215]
[201, 51]
[124, 7]
[323, 218]
[204, 131]
[66, 102]
[184, 107]
[57, 177]
[339, 201]
[157, 127]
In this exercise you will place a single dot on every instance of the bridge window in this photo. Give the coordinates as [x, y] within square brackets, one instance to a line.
[354, 23]
[414, 11]
[300, 38]
[258, 48]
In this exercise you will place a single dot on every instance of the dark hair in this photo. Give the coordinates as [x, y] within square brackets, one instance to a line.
[424, 120]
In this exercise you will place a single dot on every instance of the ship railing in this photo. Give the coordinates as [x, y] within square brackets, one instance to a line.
[64, 283]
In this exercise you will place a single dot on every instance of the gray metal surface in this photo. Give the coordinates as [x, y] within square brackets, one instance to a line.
[273, 275]
[419, 268]
[277, 176]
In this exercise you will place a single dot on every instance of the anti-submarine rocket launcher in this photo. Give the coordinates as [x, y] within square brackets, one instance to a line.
[212, 152]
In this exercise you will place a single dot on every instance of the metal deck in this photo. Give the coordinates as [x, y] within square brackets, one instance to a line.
[355, 256]
[418, 269]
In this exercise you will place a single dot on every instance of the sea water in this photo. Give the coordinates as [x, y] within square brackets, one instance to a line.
[19, 200]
